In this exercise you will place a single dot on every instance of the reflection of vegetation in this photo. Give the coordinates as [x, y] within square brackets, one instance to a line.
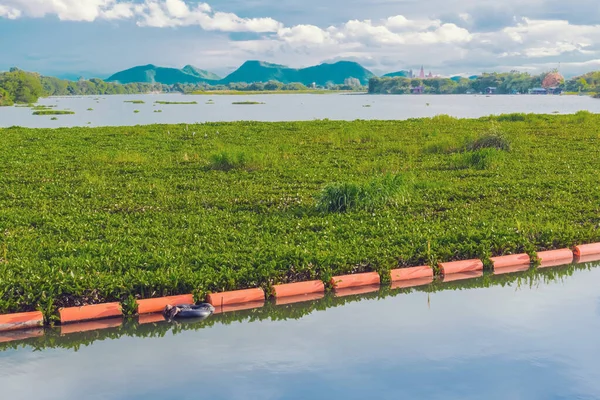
[126, 213]
[52, 339]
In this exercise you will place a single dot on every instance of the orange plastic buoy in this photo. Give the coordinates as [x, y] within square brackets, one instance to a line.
[349, 281]
[511, 260]
[405, 274]
[553, 258]
[412, 283]
[236, 297]
[300, 288]
[587, 250]
[150, 318]
[239, 307]
[280, 301]
[13, 322]
[460, 276]
[456, 267]
[91, 326]
[510, 270]
[149, 306]
[87, 313]
[11, 336]
[356, 290]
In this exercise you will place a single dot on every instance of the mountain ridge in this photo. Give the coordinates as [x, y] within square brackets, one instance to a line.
[249, 72]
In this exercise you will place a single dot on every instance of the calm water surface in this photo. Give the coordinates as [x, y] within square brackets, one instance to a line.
[113, 111]
[511, 342]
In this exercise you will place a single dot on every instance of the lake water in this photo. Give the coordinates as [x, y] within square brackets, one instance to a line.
[113, 111]
[536, 340]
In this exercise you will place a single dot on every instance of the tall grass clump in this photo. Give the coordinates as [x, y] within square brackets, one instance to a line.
[514, 117]
[346, 196]
[480, 159]
[489, 141]
[228, 160]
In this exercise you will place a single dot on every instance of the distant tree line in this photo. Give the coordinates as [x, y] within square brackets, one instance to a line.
[17, 86]
[505, 83]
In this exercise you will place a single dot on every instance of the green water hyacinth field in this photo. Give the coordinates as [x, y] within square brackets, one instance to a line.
[90, 215]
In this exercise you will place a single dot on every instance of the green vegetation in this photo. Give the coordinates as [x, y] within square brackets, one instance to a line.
[136, 111]
[157, 111]
[216, 91]
[246, 102]
[176, 102]
[20, 87]
[90, 109]
[135, 101]
[53, 112]
[159, 210]
[506, 83]
[53, 119]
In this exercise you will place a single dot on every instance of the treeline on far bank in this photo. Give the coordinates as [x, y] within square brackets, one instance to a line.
[504, 83]
[17, 86]
[21, 87]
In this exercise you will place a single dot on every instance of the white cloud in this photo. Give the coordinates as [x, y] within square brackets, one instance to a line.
[9, 12]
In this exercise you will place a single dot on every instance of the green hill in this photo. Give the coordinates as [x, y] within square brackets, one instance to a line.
[167, 76]
[395, 74]
[200, 73]
[258, 71]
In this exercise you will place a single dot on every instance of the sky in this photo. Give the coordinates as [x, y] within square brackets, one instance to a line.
[448, 37]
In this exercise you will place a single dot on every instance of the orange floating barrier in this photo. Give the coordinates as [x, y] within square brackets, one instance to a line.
[87, 313]
[405, 274]
[356, 290]
[300, 288]
[349, 281]
[91, 326]
[456, 267]
[587, 250]
[412, 283]
[511, 260]
[460, 276]
[239, 307]
[553, 258]
[150, 318]
[510, 270]
[280, 301]
[149, 306]
[11, 336]
[13, 322]
[236, 297]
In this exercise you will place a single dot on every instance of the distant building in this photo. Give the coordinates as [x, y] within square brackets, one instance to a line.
[491, 90]
[422, 73]
[417, 90]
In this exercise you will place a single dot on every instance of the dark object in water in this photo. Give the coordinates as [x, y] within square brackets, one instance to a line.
[203, 310]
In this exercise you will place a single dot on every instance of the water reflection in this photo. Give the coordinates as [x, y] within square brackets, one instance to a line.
[527, 335]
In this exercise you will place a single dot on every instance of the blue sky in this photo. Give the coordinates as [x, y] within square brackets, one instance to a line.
[99, 37]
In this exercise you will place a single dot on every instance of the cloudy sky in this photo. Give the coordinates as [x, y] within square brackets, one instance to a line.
[99, 37]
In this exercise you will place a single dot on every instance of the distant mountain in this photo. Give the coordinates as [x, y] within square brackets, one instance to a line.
[404, 74]
[167, 76]
[200, 73]
[249, 72]
[336, 73]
